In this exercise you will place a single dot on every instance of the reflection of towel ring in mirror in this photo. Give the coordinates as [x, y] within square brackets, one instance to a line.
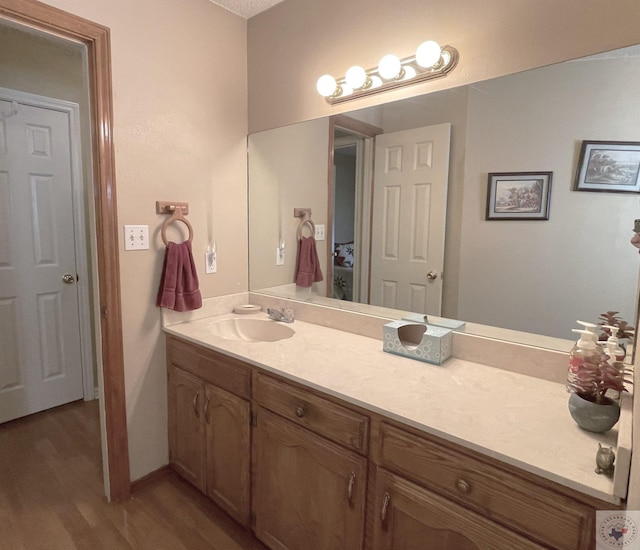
[175, 217]
[312, 228]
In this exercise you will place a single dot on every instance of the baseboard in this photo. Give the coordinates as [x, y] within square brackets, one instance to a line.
[151, 478]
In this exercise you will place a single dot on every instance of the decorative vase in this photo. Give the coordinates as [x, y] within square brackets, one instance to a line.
[593, 417]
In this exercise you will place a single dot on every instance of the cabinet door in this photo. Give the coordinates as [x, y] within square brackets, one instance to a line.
[309, 492]
[186, 426]
[227, 420]
[409, 517]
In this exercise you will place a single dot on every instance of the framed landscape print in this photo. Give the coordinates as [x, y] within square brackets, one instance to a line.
[519, 195]
[610, 166]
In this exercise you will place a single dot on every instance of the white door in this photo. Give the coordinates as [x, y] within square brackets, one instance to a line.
[40, 356]
[409, 214]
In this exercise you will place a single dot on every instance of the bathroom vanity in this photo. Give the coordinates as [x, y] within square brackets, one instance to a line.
[323, 441]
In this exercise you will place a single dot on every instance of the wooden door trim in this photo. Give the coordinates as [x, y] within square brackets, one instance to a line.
[97, 40]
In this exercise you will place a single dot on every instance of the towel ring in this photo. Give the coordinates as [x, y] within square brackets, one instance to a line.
[312, 227]
[176, 216]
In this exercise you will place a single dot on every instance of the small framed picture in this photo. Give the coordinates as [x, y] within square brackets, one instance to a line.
[519, 196]
[610, 166]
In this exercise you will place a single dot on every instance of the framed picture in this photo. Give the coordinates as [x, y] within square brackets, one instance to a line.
[611, 166]
[519, 196]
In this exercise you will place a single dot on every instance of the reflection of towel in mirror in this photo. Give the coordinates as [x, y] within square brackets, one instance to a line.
[179, 283]
[307, 265]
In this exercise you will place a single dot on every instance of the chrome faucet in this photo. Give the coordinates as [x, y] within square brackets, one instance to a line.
[284, 315]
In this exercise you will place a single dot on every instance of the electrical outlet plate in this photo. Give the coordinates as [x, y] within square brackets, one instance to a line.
[319, 236]
[210, 262]
[136, 237]
[279, 256]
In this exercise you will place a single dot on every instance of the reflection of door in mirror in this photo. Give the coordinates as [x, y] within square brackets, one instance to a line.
[409, 213]
[349, 217]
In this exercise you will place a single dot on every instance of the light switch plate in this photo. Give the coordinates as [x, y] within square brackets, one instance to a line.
[279, 256]
[136, 237]
[319, 236]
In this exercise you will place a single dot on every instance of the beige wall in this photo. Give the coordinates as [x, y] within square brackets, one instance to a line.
[295, 42]
[180, 121]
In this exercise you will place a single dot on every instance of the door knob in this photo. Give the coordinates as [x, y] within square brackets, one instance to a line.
[432, 275]
[68, 279]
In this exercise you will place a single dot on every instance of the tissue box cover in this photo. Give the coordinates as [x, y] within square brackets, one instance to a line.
[406, 338]
[453, 324]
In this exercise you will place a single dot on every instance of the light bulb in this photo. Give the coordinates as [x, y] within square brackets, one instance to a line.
[346, 90]
[376, 81]
[356, 77]
[389, 67]
[409, 72]
[326, 85]
[428, 54]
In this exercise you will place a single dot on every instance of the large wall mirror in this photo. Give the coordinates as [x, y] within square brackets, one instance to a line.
[531, 276]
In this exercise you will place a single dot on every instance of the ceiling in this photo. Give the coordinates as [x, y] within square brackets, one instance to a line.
[246, 8]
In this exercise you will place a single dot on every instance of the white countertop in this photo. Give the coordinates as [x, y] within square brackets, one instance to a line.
[521, 420]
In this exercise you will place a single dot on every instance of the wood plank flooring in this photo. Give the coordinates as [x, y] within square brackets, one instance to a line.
[52, 498]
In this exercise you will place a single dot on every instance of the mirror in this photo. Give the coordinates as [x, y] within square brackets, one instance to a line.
[530, 276]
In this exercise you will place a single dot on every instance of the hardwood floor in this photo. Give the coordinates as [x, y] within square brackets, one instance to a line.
[51, 495]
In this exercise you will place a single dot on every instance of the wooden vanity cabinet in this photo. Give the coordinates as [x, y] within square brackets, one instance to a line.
[210, 425]
[421, 476]
[410, 517]
[309, 491]
[305, 468]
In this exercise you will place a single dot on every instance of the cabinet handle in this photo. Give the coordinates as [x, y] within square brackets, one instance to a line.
[195, 405]
[383, 514]
[299, 412]
[352, 482]
[463, 486]
[206, 410]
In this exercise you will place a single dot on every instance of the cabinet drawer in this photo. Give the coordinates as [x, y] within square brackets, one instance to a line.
[216, 368]
[543, 514]
[320, 415]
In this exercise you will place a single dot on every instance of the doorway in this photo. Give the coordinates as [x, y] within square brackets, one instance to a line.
[46, 355]
[351, 146]
[104, 225]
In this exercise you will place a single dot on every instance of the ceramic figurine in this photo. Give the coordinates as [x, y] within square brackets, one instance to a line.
[604, 460]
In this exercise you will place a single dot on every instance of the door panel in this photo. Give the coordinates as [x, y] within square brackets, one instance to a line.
[41, 364]
[309, 493]
[228, 453]
[410, 517]
[186, 426]
[411, 175]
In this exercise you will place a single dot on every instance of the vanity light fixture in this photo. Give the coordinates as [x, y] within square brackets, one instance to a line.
[430, 61]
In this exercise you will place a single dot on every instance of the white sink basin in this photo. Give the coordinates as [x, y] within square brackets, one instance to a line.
[251, 330]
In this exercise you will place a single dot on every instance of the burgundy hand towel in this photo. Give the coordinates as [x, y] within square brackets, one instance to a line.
[179, 282]
[308, 265]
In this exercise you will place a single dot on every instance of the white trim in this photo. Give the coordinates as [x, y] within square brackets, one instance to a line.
[79, 228]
